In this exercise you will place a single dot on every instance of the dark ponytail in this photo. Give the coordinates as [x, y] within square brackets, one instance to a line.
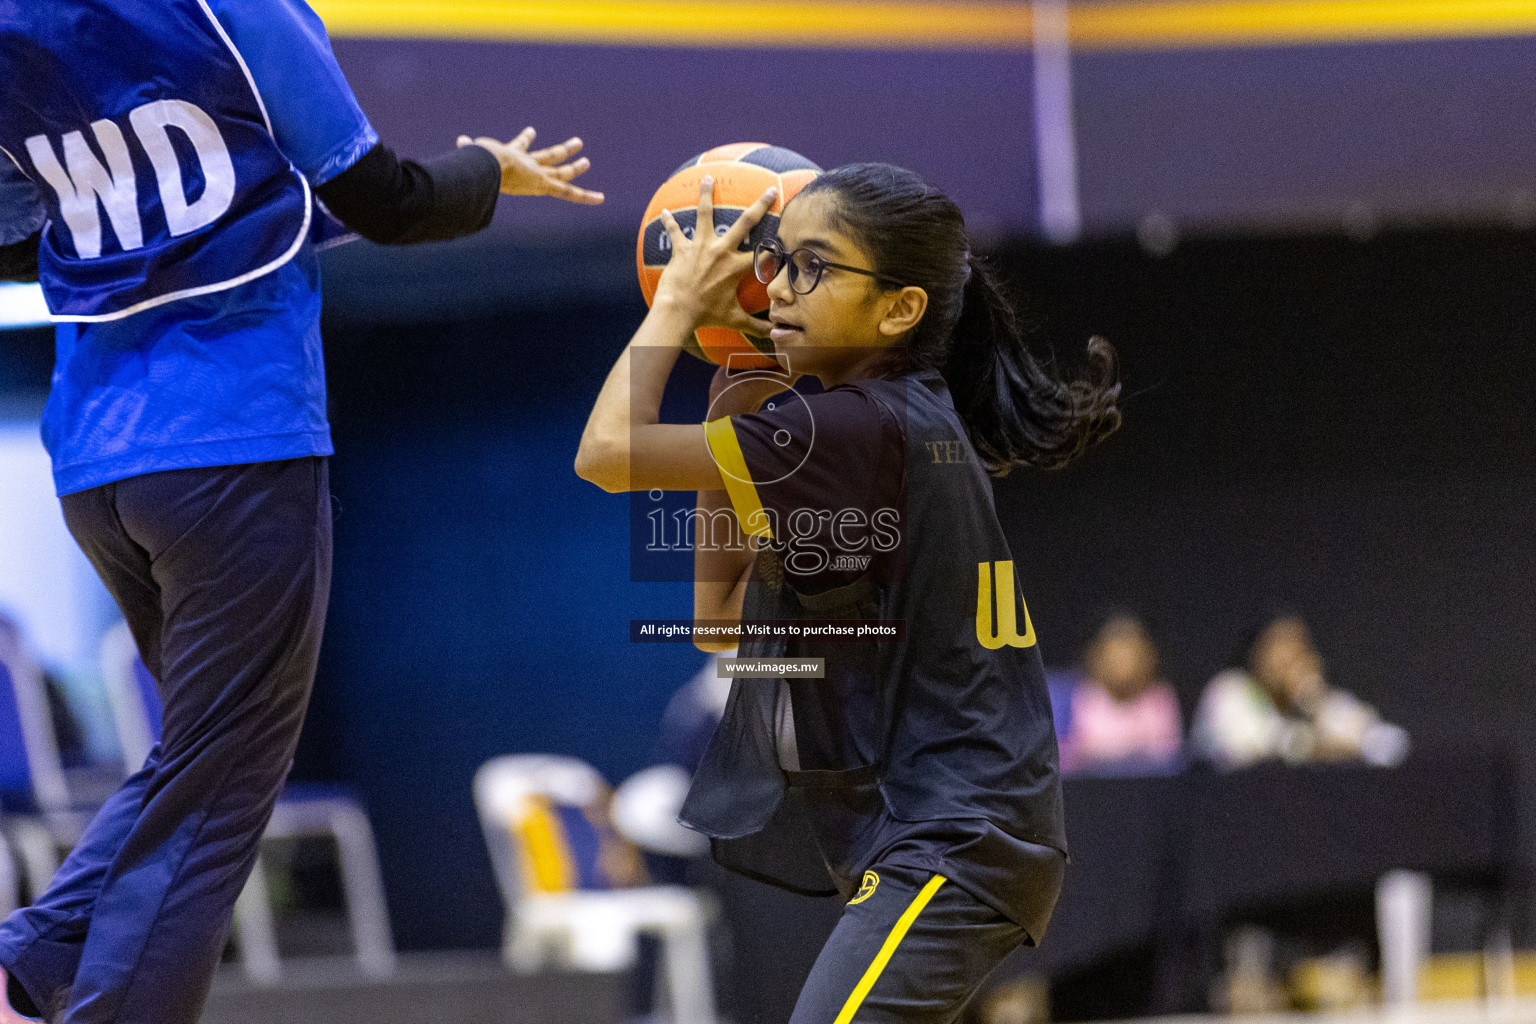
[1017, 412]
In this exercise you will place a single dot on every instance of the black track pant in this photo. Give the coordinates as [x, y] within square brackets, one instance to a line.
[223, 575]
[911, 950]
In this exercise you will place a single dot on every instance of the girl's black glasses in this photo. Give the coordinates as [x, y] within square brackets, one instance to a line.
[804, 266]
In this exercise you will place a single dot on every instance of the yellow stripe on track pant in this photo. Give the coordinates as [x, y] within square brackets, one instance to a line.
[888, 949]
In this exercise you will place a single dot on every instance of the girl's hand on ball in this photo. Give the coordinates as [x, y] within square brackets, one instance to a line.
[542, 172]
[702, 275]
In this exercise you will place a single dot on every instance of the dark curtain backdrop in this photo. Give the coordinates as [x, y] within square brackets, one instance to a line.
[1317, 424]
[1341, 428]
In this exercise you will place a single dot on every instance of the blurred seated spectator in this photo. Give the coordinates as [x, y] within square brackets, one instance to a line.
[1281, 706]
[686, 726]
[1062, 682]
[645, 810]
[692, 714]
[1119, 717]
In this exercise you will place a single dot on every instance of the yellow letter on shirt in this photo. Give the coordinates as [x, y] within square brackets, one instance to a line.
[1006, 634]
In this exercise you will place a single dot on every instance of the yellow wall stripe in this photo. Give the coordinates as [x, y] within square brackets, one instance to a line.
[925, 24]
[697, 23]
[721, 438]
[1113, 26]
[856, 999]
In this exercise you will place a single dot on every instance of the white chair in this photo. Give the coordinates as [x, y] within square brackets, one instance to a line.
[593, 930]
[31, 769]
[302, 810]
[10, 884]
[314, 810]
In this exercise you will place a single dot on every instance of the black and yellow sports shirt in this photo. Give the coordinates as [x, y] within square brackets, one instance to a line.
[936, 750]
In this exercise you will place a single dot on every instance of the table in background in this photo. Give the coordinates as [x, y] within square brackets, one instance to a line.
[1161, 865]
[1165, 863]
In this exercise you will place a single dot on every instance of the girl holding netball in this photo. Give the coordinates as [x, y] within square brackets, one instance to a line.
[917, 775]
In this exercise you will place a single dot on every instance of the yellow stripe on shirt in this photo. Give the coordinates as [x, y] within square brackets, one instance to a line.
[720, 435]
[888, 950]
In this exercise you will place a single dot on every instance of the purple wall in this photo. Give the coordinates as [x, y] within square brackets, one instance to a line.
[1298, 135]
[962, 119]
[1217, 139]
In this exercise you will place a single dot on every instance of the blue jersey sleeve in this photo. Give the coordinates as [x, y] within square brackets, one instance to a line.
[315, 118]
[21, 208]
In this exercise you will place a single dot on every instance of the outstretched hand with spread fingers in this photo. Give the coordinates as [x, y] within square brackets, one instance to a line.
[540, 172]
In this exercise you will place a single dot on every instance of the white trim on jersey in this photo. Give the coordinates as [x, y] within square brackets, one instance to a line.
[13, 159]
[331, 243]
[249, 78]
[234, 282]
[206, 289]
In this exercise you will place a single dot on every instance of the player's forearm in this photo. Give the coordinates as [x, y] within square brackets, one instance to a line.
[401, 202]
[721, 564]
[630, 399]
[720, 556]
[18, 262]
[719, 579]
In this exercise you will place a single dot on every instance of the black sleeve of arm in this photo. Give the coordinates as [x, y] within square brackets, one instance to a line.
[398, 202]
[18, 262]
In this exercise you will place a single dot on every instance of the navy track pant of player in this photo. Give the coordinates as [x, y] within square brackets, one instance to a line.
[912, 951]
[223, 575]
